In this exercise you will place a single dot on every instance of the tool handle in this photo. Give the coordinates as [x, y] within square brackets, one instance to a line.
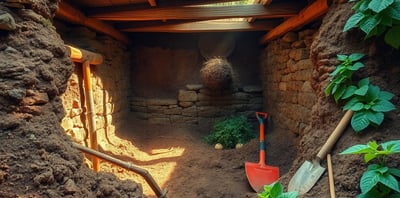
[330, 176]
[262, 116]
[335, 135]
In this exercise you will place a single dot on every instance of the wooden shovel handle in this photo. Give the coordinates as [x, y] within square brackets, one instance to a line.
[326, 148]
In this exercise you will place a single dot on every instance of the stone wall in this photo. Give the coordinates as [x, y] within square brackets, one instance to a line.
[287, 77]
[110, 84]
[197, 105]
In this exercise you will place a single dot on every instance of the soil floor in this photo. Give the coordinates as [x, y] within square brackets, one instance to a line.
[184, 165]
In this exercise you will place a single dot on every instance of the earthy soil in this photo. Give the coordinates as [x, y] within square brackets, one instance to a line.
[181, 162]
[37, 159]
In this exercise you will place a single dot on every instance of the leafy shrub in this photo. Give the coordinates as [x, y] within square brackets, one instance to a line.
[367, 101]
[379, 181]
[230, 132]
[377, 17]
[275, 190]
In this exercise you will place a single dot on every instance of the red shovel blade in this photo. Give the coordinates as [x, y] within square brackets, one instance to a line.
[260, 175]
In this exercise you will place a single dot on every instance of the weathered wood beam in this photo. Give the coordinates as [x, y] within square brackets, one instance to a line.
[204, 26]
[308, 14]
[201, 13]
[262, 2]
[152, 3]
[73, 15]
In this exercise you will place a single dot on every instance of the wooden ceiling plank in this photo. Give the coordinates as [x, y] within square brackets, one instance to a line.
[206, 26]
[73, 15]
[262, 2]
[308, 14]
[201, 13]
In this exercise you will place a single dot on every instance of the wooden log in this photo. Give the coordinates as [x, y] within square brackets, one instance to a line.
[81, 56]
[308, 14]
[73, 15]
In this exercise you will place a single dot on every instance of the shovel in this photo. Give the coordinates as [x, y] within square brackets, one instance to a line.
[260, 174]
[309, 173]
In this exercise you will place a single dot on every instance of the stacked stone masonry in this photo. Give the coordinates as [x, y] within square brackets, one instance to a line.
[287, 72]
[110, 86]
[197, 105]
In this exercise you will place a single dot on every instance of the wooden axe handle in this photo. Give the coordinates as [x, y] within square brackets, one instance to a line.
[326, 148]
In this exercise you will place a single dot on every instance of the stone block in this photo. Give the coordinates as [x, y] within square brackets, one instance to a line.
[153, 120]
[67, 123]
[161, 102]
[156, 109]
[191, 111]
[289, 37]
[194, 87]
[299, 54]
[307, 100]
[187, 96]
[173, 111]
[307, 87]
[135, 108]
[252, 89]
[186, 104]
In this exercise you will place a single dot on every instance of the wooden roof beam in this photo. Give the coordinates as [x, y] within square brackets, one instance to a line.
[308, 14]
[204, 26]
[152, 3]
[201, 13]
[73, 15]
[262, 2]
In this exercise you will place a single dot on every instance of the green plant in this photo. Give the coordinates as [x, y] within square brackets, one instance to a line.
[342, 75]
[379, 181]
[377, 17]
[231, 131]
[275, 190]
[368, 102]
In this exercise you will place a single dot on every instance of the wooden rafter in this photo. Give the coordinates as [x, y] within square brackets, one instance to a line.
[152, 3]
[308, 14]
[203, 26]
[73, 15]
[200, 13]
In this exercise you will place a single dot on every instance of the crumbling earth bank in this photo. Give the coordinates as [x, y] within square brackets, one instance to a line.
[36, 157]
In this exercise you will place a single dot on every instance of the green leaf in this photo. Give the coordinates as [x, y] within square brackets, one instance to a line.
[357, 106]
[276, 189]
[369, 156]
[394, 171]
[353, 21]
[359, 121]
[369, 24]
[349, 92]
[384, 95]
[357, 149]
[383, 106]
[379, 5]
[368, 180]
[337, 70]
[373, 93]
[342, 57]
[389, 181]
[339, 92]
[395, 146]
[328, 89]
[392, 37]
[363, 82]
[362, 90]
[375, 117]
[356, 66]
[356, 56]
[349, 104]
[394, 11]
[373, 145]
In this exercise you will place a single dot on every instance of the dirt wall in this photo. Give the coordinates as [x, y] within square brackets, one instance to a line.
[36, 156]
[382, 66]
